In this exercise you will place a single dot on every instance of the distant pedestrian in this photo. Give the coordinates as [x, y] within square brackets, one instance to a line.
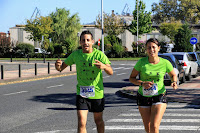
[151, 97]
[90, 90]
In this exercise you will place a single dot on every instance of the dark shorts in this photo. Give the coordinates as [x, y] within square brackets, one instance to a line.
[149, 101]
[92, 105]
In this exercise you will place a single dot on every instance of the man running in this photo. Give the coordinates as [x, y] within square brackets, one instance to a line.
[90, 90]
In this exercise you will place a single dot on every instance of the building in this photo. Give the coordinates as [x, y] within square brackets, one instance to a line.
[4, 40]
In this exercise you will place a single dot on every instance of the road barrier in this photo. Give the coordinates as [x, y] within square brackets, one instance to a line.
[20, 70]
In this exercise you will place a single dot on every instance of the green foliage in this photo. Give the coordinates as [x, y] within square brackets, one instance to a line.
[170, 29]
[65, 28]
[163, 49]
[113, 39]
[178, 10]
[40, 27]
[113, 24]
[182, 39]
[144, 20]
[58, 49]
[118, 49]
[24, 49]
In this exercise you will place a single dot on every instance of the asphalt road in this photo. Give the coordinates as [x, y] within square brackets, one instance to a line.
[48, 106]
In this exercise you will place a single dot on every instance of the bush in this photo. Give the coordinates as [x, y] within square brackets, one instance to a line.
[24, 49]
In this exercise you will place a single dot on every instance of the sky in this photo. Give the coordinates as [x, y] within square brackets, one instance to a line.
[16, 12]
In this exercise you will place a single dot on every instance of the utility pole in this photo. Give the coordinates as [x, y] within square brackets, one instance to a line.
[102, 34]
[137, 27]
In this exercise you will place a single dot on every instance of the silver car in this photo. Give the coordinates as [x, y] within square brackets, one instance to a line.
[189, 65]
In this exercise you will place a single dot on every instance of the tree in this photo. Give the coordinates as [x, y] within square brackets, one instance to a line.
[165, 11]
[65, 28]
[170, 29]
[113, 24]
[144, 20]
[178, 10]
[182, 39]
[190, 11]
[39, 27]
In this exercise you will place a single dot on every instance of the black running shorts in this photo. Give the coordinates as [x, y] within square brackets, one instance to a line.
[149, 101]
[92, 105]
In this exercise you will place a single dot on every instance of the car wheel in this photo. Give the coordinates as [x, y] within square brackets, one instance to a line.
[183, 78]
[189, 77]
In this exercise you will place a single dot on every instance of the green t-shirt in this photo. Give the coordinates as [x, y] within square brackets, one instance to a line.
[87, 73]
[153, 72]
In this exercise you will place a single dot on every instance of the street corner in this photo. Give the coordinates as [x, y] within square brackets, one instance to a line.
[189, 96]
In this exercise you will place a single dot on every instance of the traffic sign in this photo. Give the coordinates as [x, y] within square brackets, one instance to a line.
[99, 42]
[193, 40]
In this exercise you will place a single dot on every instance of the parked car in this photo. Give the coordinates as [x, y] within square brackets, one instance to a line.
[177, 68]
[189, 65]
[196, 57]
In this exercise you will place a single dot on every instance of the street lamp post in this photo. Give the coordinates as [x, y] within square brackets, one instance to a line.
[137, 26]
[102, 34]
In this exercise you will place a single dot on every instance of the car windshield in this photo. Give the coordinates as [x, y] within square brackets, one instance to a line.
[179, 57]
[169, 59]
[193, 57]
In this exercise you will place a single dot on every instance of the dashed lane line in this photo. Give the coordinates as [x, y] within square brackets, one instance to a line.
[55, 86]
[15, 93]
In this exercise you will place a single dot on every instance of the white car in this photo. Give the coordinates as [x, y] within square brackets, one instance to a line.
[189, 65]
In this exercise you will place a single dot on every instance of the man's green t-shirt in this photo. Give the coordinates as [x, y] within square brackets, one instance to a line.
[87, 73]
[153, 72]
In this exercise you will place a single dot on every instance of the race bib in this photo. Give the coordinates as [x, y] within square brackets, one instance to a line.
[151, 91]
[87, 91]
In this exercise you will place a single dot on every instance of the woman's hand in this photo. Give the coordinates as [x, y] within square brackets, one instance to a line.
[147, 84]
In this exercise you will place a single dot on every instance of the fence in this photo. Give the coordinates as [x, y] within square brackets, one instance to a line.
[22, 69]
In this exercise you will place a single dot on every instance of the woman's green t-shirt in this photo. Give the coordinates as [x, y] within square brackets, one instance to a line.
[153, 72]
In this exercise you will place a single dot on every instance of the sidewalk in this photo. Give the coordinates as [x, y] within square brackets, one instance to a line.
[188, 92]
[11, 71]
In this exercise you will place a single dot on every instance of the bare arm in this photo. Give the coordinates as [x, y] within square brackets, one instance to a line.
[173, 76]
[132, 79]
[106, 67]
[59, 65]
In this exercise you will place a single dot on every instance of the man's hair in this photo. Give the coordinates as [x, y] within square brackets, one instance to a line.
[154, 40]
[86, 32]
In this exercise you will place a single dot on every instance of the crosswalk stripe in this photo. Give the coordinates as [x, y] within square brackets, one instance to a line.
[171, 127]
[117, 68]
[163, 120]
[166, 114]
[171, 110]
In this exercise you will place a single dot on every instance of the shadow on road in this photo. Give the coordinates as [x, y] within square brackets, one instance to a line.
[71, 100]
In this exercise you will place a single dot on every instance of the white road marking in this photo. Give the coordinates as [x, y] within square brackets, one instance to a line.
[165, 114]
[106, 77]
[163, 120]
[121, 74]
[172, 127]
[58, 131]
[15, 93]
[117, 68]
[55, 86]
[174, 110]
[128, 68]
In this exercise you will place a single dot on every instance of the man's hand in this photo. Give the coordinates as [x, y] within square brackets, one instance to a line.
[58, 65]
[99, 65]
[106, 67]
